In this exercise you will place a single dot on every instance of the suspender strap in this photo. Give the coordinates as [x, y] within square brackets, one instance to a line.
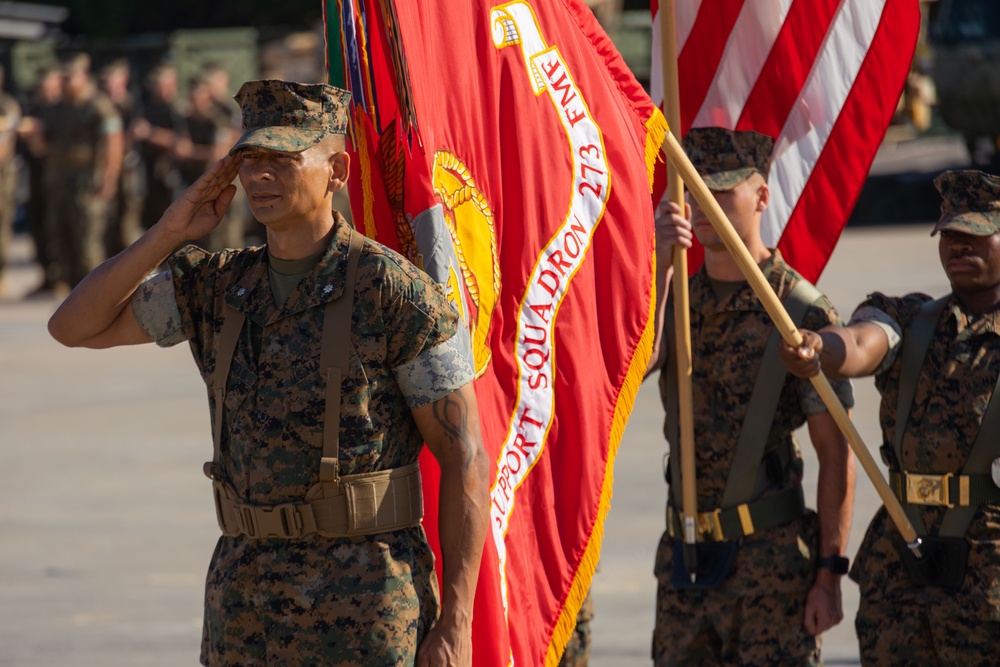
[334, 361]
[915, 346]
[360, 504]
[232, 325]
[743, 473]
[746, 475]
[962, 493]
[986, 447]
[673, 409]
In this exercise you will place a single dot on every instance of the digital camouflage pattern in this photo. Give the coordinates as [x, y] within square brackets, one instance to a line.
[954, 388]
[346, 601]
[970, 202]
[289, 117]
[725, 158]
[774, 569]
[749, 627]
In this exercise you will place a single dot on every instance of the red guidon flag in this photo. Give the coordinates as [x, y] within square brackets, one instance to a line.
[507, 149]
[821, 76]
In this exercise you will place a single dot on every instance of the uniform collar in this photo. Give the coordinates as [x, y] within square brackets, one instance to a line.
[251, 293]
[703, 298]
[968, 325]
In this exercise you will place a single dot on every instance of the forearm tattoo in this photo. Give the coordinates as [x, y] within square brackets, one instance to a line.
[452, 413]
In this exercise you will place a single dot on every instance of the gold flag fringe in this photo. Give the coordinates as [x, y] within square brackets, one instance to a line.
[656, 132]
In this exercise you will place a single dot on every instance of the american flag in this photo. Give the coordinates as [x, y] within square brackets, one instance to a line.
[823, 77]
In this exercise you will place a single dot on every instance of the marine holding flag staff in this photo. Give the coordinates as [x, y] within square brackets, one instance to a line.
[769, 569]
[329, 361]
[936, 364]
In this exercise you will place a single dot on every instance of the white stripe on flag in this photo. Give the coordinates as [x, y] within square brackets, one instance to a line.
[749, 45]
[685, 13]
[812, 118]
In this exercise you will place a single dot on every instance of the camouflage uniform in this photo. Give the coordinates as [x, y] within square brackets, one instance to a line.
[756, 615]
[359, 600]
[10, 116]
[76, 217]
[366, 600]
[899, 623]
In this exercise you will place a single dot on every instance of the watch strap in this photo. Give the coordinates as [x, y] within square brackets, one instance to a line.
[836, 564]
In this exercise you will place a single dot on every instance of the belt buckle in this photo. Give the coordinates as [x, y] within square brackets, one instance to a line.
[710, 525]
[247, 518]
[288, 525]
[928, 490]
[291, 521]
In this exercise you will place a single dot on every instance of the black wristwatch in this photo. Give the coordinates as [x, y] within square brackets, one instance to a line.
[836, 564]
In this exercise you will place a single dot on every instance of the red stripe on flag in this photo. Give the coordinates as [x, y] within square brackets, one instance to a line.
[834, 186]
[787, 66]
[702, 53]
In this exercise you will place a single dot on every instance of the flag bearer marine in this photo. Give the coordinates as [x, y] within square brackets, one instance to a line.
[769, 569]
[936, 364]
[329, 361]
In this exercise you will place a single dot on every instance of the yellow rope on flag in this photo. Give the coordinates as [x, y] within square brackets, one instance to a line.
[623, 408]
[656, 131]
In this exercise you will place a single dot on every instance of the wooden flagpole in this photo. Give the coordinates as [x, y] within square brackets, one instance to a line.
[682, 313]
[790, 334]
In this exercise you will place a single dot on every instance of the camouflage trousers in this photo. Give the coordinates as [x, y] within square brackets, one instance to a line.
[755, 618]
[577, 653]
[924, 636]
[352, 602]
[708, 628]
[76, 219]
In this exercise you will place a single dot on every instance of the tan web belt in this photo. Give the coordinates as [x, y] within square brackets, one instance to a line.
[745, 519]
[948, 490]
[374, 502]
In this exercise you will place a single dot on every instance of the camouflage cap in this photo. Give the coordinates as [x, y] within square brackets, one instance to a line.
[289, 117]
[726, 158]
[970, 202]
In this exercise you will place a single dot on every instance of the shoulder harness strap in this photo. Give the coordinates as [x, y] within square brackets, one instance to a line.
[335, 354]
[743, 475]
[985, 448]
[744, 471]
[334, 361]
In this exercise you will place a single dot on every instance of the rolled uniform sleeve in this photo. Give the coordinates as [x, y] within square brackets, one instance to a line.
[155, 306]
[819, 315]
[428, 347]
[885, 322]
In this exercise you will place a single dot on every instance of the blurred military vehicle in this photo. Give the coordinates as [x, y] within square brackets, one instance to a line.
[965, 35]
